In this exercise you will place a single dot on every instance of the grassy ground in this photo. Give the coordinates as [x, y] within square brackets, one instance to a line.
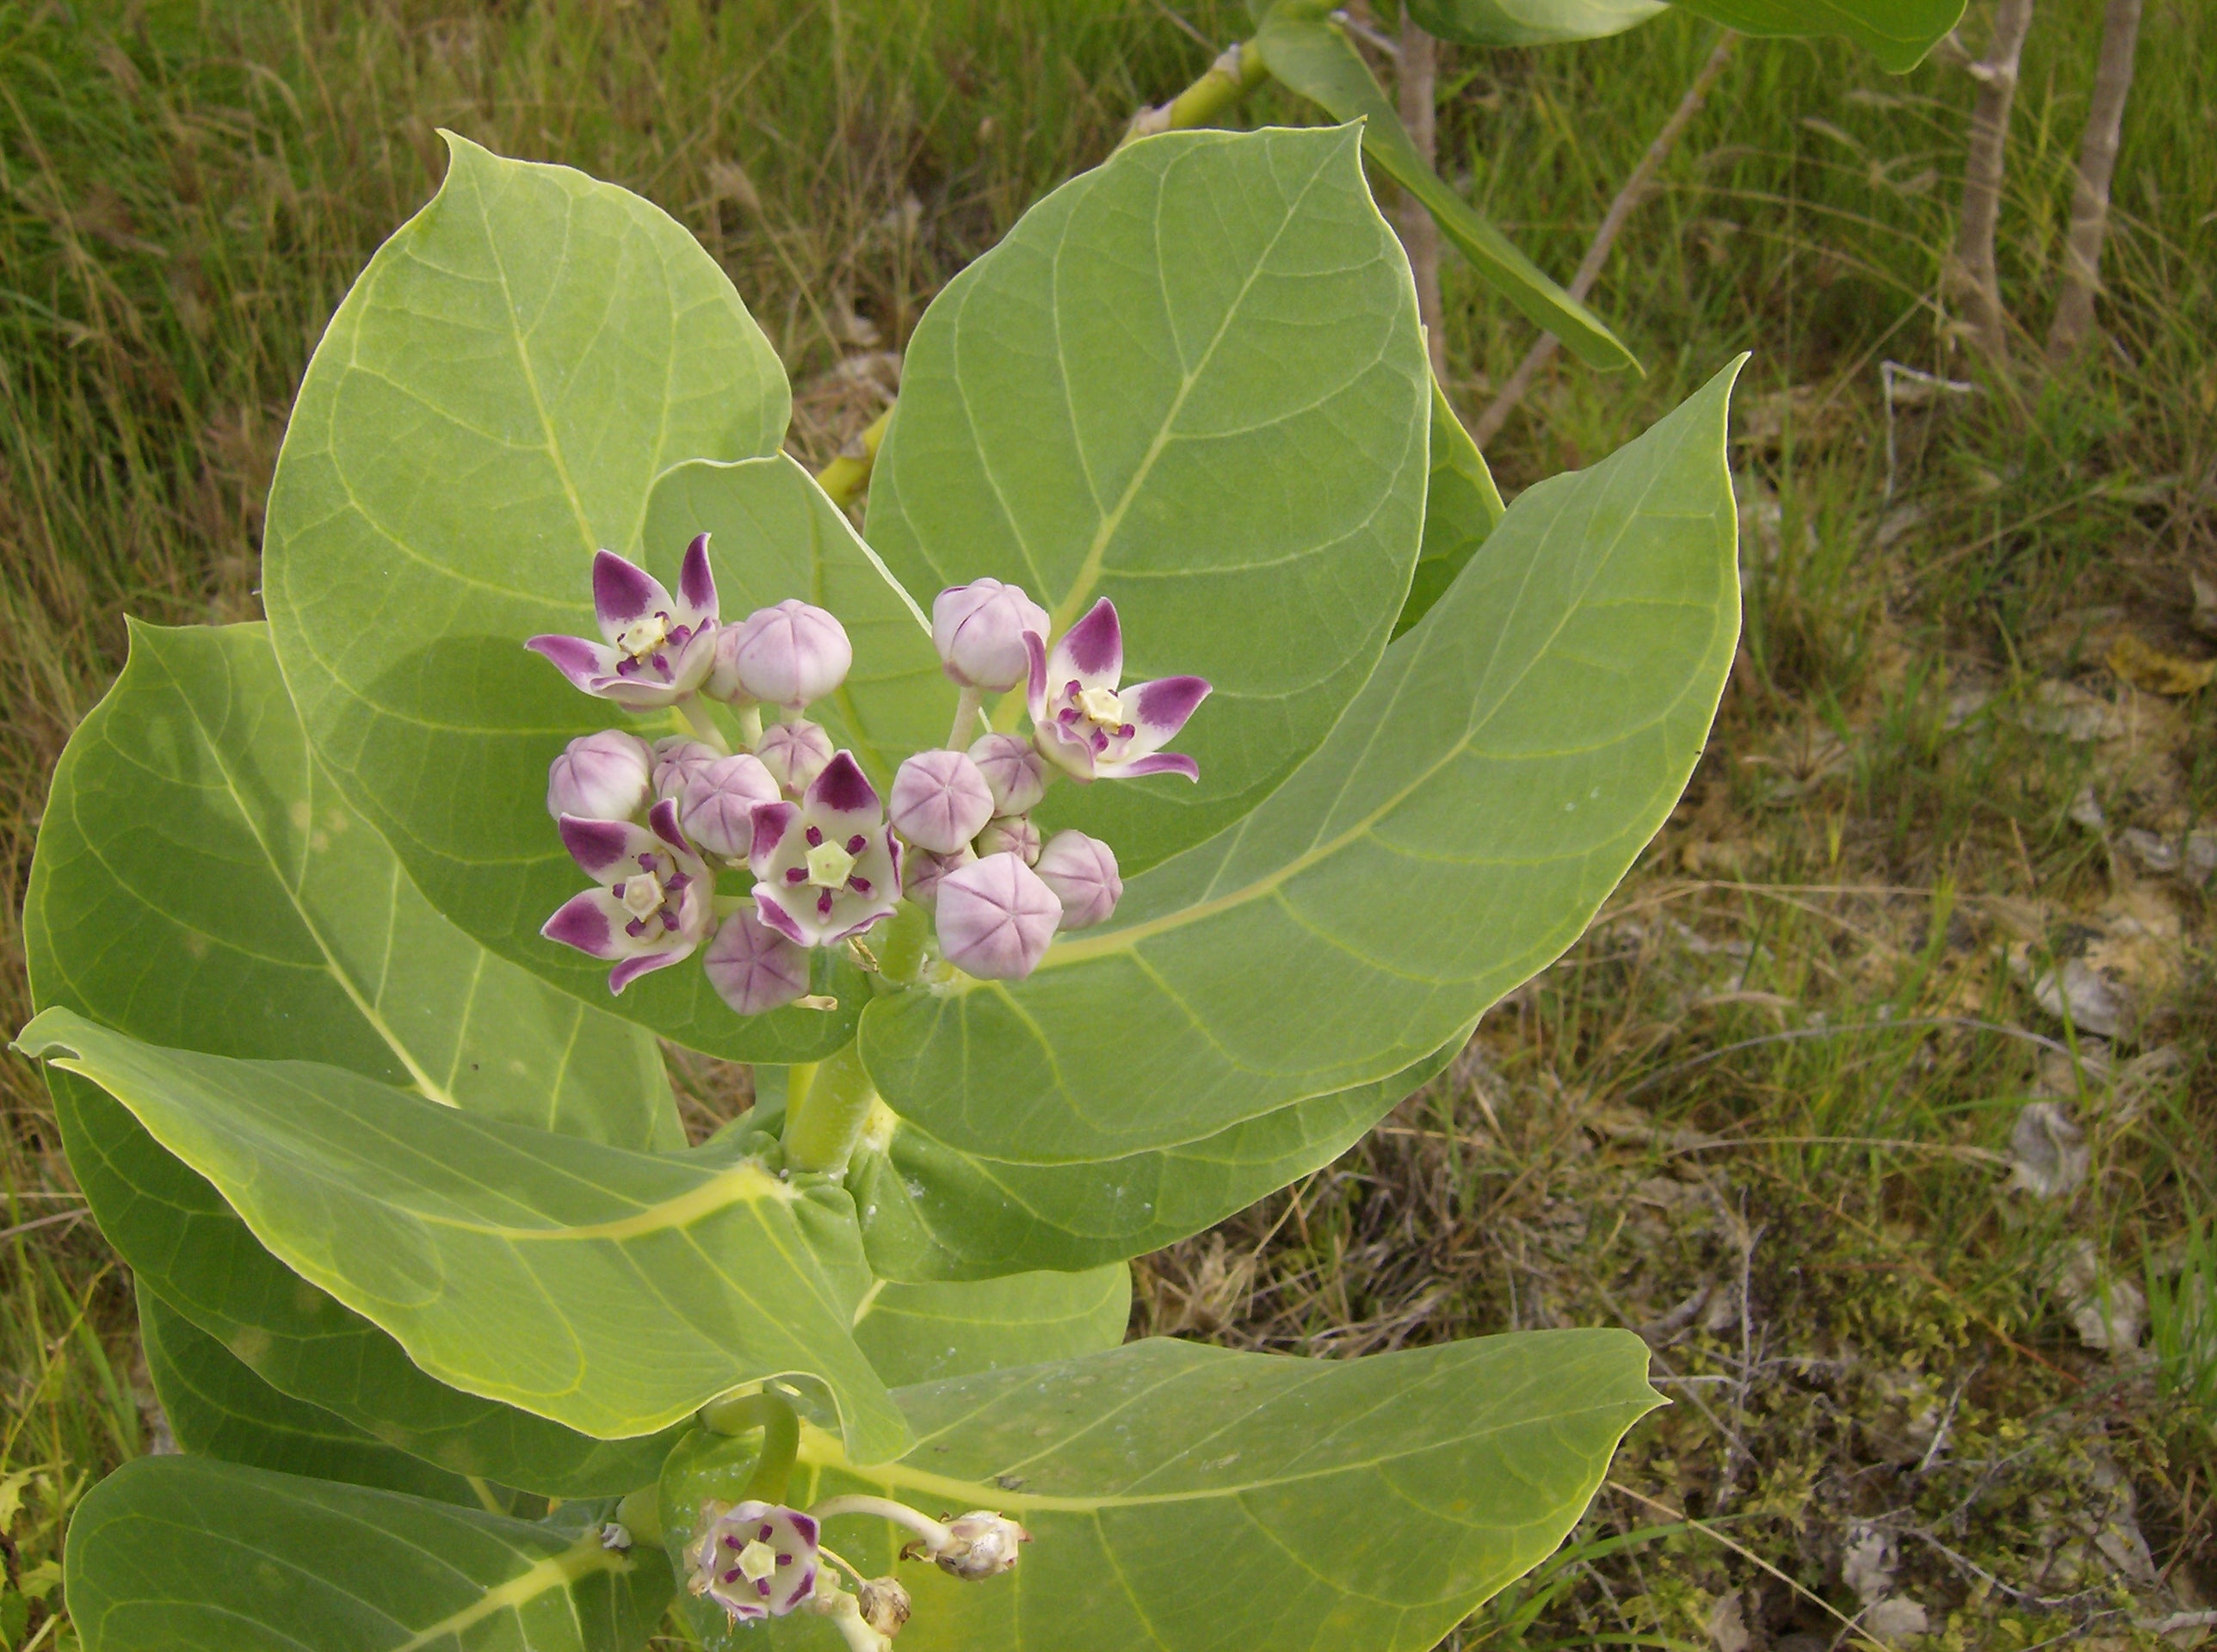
[1771, 1111]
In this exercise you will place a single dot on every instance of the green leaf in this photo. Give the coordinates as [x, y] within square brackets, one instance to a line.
[923, 1333]
[490, 405]
[1189, 1498]
[930, 1211]
[1461, 507]
[613, 1292]
[1190, 380]
[773, 535]
[1307, 50]
[1898, 32]
[186, 1554]
[217, 1406]
[1483, 795]
[1529, 22]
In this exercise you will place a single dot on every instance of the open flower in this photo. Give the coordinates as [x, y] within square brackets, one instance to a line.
[655, 898]
[718, 812]
[1082, 872]
[604, 776]
[1084, 725]
[753, 968]
[940, 801]
[995, 918]
[826, 867]
[794, 751]
[756, 1560]
[979, 630]
[659, 648]
[784, 655]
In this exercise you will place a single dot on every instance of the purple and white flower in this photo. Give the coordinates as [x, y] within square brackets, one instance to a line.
[659, 648]
[1011, 835]
[794, 751]
[940, 801]
[718, 812]
[604, 776]
[678, 758]
[923, 871]
[826, 867]
[1082, 872]
[979, 631]
[995, 918]
[1015, 773]
[753, 968]
[756, 1560]
[1084, 725]
[655, 897]
[784, 655]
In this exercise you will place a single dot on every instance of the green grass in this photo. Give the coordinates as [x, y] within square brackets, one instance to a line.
[1757, 1112]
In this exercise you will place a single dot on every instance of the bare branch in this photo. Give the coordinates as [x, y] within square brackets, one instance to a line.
[1972, 274]
[1418, 62]
[2097, 164]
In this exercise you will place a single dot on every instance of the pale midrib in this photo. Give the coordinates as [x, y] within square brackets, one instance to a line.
[582, 1559]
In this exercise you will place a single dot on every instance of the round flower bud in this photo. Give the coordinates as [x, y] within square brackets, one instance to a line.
[752, 967]
[1082, 872]
[922, 872]
[940, 801]
[979, 630]
[604, 776]
[794, 752]
[996, 918]
[1012, 834]
[785, 656]
[885, 1605]
[985, 1545]
[677, 761]
[720, 800]
[1016, 774]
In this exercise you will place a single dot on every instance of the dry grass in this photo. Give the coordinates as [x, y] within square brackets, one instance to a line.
[1763, 1113]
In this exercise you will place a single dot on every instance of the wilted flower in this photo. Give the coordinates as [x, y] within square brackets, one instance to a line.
[756, 1560]
[604, 776]
[1011, 835]
[923, 871]
[1015, 773]
[826, 867]
[753, 968]
[794, 751]
[659, 648]
[940, 801]
[885, 1605]
[1082, 872]
[979, 630]
[784, 655]
[996, 918]
[719, 811]
[677, 759]
[984, 1546]
[654, 903]
[1086, 727]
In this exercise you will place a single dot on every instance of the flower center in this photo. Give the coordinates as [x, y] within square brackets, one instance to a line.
[652, 896]
[642, 896]
[1101, 707]
[643, 636]
[757, 1561]
[829, 866]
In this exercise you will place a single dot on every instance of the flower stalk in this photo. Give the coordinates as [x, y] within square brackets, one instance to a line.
[823, 1120]
[738, 1413]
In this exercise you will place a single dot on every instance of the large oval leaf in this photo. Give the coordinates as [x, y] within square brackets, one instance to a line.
[1190, 380]
[186, 1554]
[1195, 1500]
[1464, 822]
[1530, 22]
[924, 1333]
[1461, 507]
[1899, 32]
[613, 1292]
[490, 405]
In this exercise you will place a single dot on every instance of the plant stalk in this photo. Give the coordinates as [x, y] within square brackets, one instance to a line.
[2090, 198]
[704, 726]
[966, 718]
[1972, 275]
[781, 1438]
[935, 1537]
[1417, 84]
[822, 1123]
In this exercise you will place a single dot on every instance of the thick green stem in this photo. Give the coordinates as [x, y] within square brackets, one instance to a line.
[697, 719]
[966, 718]
[901, 951]
[1239, 71]
[822, 1123]
[781, 1438]
[750, 730]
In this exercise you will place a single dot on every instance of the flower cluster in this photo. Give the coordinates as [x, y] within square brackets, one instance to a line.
[655, 826]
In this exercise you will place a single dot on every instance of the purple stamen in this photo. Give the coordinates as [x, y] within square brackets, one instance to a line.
[764, 1534]
[1100, 741]
[824, 904]
[731, 1576]
[1069, 690]
[731, 1542]
[785, 1560]
[815, 838]
[860, 886]
[677, 882]
[858, 843]
[669, 919]
[662, 665]
[763, 1587]
[796, 874]
[646, 863]
[635, 928]
[1065, 716]
[627, 667]
[1127, 731]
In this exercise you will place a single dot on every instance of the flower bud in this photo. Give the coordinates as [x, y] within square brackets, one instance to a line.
[1011, 835]
[794, 752]
[940, 801]
[985, 1545]
[604, 776]
[753, 968]
[885, 1605]
[1015, 773]
[785, 656]
[980, 629]
[718, 812]
[1082, 872]
[678, 760]
[923, 871]
[996, 918]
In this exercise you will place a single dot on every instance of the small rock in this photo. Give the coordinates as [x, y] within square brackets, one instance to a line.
[2097, 1003]
[2157, 855]
[1894, 1619]
[2065, 708]
[2086, 809]
[2048, 1155]
[2201, 855]
[1867, 1562]
[1728, 1624]
[2107, 1312]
